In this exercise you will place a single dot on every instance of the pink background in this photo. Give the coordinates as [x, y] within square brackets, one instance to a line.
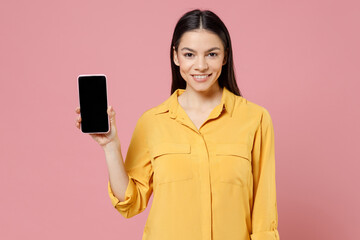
[298, 59]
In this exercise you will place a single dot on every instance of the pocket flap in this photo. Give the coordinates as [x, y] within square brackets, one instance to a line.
[169, 148]
[234, 149]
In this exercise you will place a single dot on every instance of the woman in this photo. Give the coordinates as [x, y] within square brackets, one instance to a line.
[206, 152]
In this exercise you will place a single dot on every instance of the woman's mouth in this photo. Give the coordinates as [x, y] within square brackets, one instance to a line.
[201, 77]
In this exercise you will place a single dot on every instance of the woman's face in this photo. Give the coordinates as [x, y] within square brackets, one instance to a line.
[200, 57]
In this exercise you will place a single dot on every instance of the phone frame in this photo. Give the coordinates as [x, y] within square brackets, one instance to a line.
[107, 103]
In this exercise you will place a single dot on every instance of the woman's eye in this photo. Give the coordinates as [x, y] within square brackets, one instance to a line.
[191, 55]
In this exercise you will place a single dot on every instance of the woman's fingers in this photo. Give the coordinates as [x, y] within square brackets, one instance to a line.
[77, 124]
[112, 114]
[109, 110]
[78, 120]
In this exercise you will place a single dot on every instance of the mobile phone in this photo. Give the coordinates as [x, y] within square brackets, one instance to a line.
[93, 103]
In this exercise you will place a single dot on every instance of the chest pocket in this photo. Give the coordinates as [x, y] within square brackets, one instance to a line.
[172, 162]
[234, 163]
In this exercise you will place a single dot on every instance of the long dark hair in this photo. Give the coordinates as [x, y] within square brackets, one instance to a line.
[196, 19]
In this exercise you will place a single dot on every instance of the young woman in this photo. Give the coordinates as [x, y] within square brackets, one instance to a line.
[206, 153]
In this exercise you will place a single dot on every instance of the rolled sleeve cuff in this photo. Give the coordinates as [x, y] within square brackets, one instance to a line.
[130, 195]
[268, 235]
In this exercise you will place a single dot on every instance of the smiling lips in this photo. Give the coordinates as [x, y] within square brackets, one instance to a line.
[201, 77]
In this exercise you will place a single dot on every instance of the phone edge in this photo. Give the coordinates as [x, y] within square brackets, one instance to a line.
[107, 103]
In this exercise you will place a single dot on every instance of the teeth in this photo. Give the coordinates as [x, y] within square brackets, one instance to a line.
[201, 76]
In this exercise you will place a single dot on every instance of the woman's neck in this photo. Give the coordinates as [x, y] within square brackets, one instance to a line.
[200, 101]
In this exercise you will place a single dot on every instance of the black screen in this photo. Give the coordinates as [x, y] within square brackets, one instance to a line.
[93, 104]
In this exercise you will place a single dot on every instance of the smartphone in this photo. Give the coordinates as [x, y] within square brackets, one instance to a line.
[93, 103]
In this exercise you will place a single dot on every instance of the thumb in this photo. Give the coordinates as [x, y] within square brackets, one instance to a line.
[111, 114]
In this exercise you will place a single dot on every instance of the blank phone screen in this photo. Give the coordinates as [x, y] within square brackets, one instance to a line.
[93, 103]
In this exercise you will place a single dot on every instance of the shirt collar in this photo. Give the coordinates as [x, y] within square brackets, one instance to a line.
[171, 105]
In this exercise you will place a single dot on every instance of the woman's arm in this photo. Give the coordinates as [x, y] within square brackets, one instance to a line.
[118, 177]
[111, 146]
[130, 185]
[130, 182]
[264, 211]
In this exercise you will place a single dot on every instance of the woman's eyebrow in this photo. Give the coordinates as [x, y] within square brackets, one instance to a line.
[191, 50]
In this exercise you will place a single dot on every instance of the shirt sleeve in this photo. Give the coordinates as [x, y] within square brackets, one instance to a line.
[139, 168]
[264, 211]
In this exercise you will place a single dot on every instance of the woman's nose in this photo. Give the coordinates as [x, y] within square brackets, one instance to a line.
[201, 64]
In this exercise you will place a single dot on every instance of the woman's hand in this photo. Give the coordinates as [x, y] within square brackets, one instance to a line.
[105, 138]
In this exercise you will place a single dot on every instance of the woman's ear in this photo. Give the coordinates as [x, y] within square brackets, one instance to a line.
[176, 60]
[225, 58]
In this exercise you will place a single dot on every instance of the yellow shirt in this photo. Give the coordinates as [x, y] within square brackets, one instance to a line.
[212, 183]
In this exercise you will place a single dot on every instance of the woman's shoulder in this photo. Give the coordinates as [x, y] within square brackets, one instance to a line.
[252, 108]
[162, 107]
[246, 103]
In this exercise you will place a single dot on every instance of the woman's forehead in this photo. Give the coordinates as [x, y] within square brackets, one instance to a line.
[200, 39]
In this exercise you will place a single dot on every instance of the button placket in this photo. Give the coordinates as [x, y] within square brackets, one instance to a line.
[205, 185]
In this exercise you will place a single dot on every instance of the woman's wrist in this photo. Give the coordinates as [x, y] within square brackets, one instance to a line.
[111, 146]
